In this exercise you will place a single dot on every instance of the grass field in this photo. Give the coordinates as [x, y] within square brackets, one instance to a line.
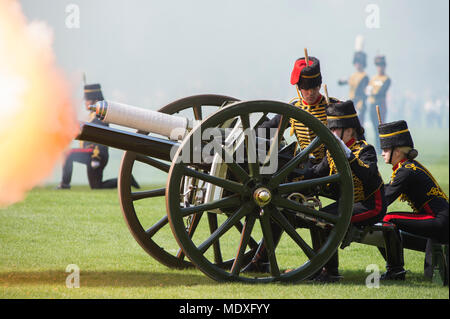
[52, 229]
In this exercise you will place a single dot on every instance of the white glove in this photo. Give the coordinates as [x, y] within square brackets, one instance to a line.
[95, 163]
[347, 151]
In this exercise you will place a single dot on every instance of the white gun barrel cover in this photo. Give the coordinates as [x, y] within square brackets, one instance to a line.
[172, 126]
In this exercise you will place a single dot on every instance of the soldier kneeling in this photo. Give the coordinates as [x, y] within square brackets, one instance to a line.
[369, 201]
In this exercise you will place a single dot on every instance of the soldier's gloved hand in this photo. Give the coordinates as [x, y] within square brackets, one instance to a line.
[95, 163]
[347, 151]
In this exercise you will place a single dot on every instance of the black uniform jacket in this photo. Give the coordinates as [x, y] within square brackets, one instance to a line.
[363, 163]
[303, 133]
[414, 184]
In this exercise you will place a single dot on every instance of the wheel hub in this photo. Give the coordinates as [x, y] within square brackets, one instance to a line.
[262, 196]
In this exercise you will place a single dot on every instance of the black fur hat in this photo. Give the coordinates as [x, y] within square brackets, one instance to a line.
[93, 92]
[360, 57]
[380, 60]
[343, 115]
[395, 134]
[306, 76]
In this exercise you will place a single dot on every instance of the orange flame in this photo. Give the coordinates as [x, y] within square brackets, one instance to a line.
[37, 117]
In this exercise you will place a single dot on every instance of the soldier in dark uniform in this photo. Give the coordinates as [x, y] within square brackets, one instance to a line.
[307, 80]
[369, 201]
[377, 90]
[94, 156]
[358, 82]
[413, 183]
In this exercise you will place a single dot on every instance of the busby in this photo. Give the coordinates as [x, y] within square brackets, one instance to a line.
[343, 115]
[93, 92]
[380, 60]
[394, 134]
[360, 57]
[306, 76]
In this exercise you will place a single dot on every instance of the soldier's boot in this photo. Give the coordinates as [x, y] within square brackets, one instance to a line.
[394, 256]
[63, 186]
[330, 272]
[260, 262]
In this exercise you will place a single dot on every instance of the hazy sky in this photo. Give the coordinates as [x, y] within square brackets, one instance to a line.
[152, 52]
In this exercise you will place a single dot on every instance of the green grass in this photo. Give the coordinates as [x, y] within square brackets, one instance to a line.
[51, 229]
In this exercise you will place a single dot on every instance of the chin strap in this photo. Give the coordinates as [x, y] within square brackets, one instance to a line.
[390, 157]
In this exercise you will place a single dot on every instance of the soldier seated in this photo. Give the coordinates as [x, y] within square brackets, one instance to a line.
[413, 183]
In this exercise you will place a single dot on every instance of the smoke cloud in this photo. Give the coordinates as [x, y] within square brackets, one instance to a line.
[37, 117]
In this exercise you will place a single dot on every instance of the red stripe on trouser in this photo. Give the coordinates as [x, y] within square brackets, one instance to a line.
[370, 213]
[412, 216]
[81, 150]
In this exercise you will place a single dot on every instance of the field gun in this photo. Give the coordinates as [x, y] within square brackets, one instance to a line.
[219, 186]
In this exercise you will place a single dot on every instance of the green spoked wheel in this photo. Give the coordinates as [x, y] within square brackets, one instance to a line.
[257, 198]
[141, 209]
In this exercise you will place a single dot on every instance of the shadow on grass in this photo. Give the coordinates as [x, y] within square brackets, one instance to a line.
[105, 278]
[358, 278]
[171, 278]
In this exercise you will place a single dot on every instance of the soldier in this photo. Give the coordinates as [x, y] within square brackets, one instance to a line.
[376, 90]
[307, 78]
[413, 183]
[358, 82]
[369, 202]
[94, 156]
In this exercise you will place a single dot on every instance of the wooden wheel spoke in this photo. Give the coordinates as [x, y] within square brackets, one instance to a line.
[296, 207]
[234, 167]
[225, 226]
[279, 176]
[221, 182]
[197, 109]
[226, 202]
[250, 146]
[252, 243]
[153, 162]
[277, 138]
[305, 184]
[290, 230]
[212, 221]
[157, 226]
[270, 246]
[245, 237]
[148, 194]
[191, 230]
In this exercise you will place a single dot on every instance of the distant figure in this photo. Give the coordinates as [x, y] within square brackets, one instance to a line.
[358, 82]
[376, 90]
[94, 156]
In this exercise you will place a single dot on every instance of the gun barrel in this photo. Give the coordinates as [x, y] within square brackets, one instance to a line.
[171, 126]
[127, 141]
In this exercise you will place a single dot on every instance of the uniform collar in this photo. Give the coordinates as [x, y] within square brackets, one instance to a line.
[398, 164]
[350, 143]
